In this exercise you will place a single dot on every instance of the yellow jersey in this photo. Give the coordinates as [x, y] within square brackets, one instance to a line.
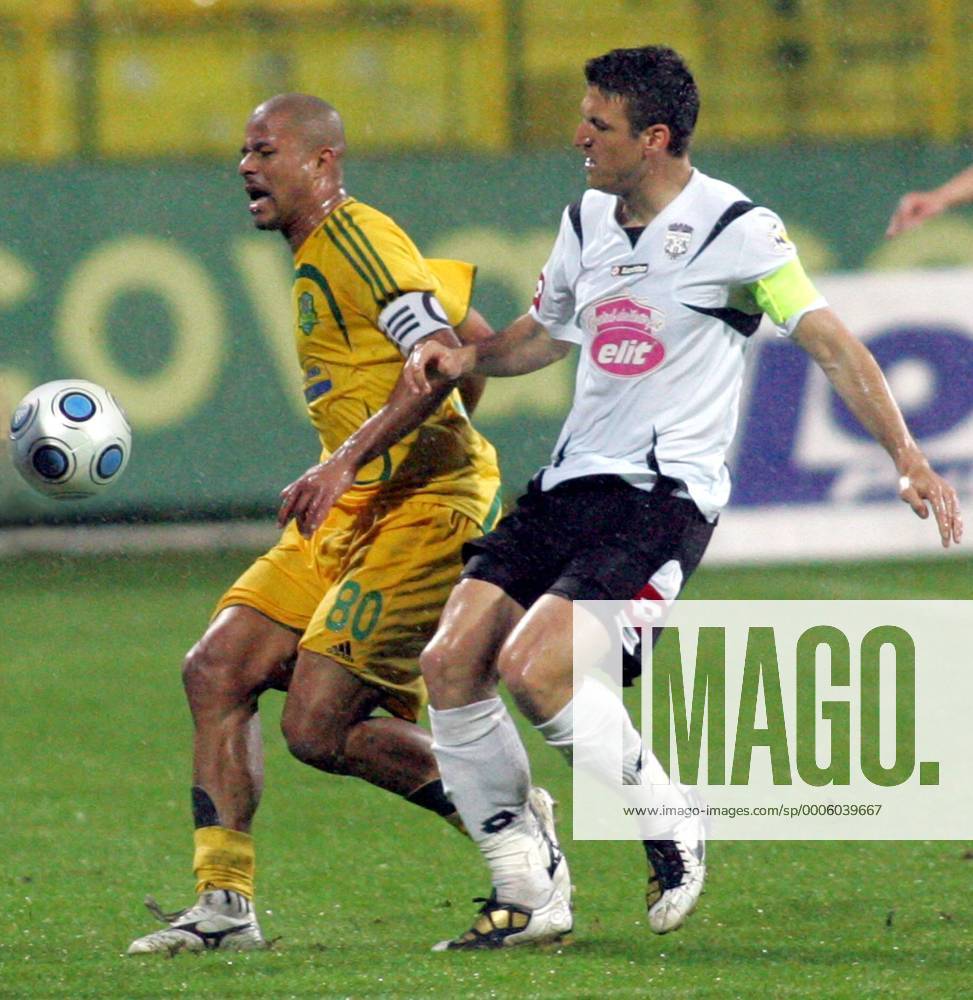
[352, 266]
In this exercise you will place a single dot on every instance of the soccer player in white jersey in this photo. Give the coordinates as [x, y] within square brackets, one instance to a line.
[659, 275]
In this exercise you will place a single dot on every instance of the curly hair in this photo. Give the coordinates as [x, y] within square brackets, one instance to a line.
[657, 87]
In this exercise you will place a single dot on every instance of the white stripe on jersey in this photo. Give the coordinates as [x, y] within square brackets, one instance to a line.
[664, 328]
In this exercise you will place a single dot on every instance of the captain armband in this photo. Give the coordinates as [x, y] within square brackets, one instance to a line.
[412, 316]
[786, 295]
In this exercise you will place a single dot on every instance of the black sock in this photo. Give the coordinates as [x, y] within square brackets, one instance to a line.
[204, 809]
[432, 796]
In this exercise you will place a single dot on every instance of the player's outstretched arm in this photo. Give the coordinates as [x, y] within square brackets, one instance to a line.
[857, 378]
[917, 206]
[524, 346]
[914, 208]
[472, 330]
[309, 498]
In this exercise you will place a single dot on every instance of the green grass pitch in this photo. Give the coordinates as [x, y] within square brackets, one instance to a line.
[94, 814]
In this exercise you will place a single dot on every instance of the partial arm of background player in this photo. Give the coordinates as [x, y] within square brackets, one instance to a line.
[524, 346]
[917, 206]
[309, 498]
[858, 380]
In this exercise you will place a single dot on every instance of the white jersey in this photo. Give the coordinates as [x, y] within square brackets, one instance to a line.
[663, 328]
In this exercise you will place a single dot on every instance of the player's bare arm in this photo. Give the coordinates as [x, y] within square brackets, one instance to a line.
[858, 380]
[524, 346]
[917, 206]
[309, 498]
[473, 329]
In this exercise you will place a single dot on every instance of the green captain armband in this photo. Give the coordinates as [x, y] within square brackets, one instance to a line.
[785, 293]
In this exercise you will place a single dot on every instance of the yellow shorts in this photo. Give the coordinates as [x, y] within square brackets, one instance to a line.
[365, 590]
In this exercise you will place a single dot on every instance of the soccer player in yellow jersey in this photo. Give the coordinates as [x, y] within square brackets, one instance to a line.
[338, 612]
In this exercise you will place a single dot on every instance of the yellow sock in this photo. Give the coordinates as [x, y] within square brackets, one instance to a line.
[224, 859]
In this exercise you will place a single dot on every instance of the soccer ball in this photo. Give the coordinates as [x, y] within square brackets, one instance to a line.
[70, 439]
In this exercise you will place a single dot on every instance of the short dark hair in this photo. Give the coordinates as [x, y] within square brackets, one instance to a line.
[657, 88]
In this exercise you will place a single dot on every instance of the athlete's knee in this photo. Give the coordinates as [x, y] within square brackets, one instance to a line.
[448, 667]
[205, 676]
[212, 674]
[311, 741]
[514, 667]
[436, 660]
[530, 679]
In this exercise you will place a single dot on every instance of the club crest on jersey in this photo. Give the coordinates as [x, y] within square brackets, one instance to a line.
[623, 344]
[307, 315]
[678, 238]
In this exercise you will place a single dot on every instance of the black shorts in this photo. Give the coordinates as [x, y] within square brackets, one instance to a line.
[596, 538]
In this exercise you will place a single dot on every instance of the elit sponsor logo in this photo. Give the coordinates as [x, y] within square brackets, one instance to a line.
[624, 345]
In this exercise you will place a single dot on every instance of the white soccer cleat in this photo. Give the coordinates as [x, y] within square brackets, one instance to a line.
[503, 925]
[542, 809]
[221, 919]
[677, 871]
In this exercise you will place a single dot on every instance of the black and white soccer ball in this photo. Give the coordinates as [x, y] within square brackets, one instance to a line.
[70, 439]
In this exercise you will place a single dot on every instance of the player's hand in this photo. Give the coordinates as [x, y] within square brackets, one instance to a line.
[919, 486]
[915, 207]
[309, 499]
[430, 359]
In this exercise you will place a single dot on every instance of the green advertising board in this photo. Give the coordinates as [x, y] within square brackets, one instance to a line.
[150, 280]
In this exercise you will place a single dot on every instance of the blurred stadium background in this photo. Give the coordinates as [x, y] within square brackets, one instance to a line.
[127, 255]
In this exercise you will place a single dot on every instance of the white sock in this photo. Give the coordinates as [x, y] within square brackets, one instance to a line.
[485, 773]
[559, 732]
[600, 712]
[578, 731]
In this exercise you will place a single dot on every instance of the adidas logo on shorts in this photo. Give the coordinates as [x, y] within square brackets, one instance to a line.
[341, 651]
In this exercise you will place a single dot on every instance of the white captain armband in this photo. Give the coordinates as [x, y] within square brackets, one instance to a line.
[412, 316]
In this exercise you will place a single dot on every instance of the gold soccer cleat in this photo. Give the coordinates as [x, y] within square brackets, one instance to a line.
[503, 925]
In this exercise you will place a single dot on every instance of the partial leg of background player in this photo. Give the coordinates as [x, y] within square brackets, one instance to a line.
[242, 654]
[327, 722]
